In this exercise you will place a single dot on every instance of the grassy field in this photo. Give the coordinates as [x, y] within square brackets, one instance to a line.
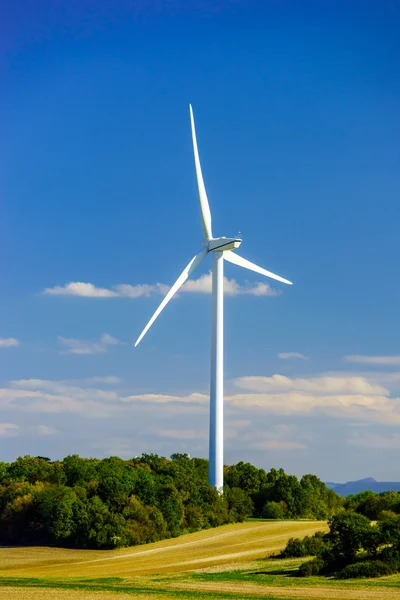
[228, 562]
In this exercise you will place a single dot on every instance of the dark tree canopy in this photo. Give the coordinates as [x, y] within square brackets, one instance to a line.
[353, 548]
[92, 503]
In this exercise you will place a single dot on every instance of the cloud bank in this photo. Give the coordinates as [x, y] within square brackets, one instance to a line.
[74, 346]
[202, 285]
[271, 420]
[353, 398]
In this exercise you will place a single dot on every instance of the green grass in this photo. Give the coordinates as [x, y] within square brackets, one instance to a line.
[102, 585]
[284, 573]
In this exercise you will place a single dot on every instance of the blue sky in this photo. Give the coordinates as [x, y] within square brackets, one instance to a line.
[298, 125]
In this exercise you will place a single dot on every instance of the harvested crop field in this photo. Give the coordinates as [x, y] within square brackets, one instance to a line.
[225, 545]
[228, 562]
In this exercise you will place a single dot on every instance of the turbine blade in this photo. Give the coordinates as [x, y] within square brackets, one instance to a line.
[194, 263]
[204, 206]
[246, 264]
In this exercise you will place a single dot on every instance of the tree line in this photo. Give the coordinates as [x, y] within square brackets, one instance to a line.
[91, 503]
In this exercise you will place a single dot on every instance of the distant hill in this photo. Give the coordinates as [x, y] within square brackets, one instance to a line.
[369, 483]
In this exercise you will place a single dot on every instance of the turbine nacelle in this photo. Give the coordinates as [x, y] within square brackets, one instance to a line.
[222, 244]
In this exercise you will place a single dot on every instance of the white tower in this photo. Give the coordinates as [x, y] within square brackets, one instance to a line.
[222, 248]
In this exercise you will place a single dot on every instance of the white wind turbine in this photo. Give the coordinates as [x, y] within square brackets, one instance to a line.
[221, 248]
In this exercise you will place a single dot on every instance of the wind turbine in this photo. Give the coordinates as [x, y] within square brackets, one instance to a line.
[221, 249]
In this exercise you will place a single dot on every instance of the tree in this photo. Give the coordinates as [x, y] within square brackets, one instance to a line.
[53, 514]
[171, 507]
[273, 510]
[348, 534]
[240, 505]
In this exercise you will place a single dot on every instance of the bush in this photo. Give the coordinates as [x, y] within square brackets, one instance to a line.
[308, 546]
[386, 514]
[313, 545]
[366, 568]
[273, 510]
[390, 555]
[311, 567]
[294, 549]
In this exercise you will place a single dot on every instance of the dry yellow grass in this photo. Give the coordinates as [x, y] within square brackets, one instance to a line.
[165, 570]
[210, 548]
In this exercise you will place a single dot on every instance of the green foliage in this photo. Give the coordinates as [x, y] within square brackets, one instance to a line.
[308, 546]
[366, 568]
[311, 567]
[352, 548]
[273, 510]
[91, 503]
[295, 548]
[240, 505]
[348, 532]
[374, 506]
[279, 495]
[390, 531]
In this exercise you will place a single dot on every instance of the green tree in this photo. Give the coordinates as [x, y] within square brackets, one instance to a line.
[171, 507]
[348, 534]
[240, 505]
[273, 510]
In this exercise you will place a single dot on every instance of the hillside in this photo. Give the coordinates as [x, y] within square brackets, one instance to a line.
[220, 547]
[361, 485]
[225, 562]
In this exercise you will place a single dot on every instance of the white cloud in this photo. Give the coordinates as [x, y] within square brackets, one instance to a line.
[126, 290]
[8, 429]
[79, 288]
[290, 355]
[62, 387]
[315, 385]
[202, 285]
[165, 398]
[373, 360]
[86, 347]
[8, 342]
[352, 398]
[45, 396]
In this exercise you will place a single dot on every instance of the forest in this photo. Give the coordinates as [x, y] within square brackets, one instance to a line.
[110, 503]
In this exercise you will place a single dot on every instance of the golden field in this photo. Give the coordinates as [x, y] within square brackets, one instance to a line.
[226, 562]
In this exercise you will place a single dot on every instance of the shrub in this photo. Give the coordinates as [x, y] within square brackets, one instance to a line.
[311, 567]
[386, 514]
[273, 510]
[390, 555]
[314, 544]
[367, 568]
[308, 546]
[294, 549]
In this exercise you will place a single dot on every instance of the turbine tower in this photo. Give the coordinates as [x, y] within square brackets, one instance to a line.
[221, 249]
